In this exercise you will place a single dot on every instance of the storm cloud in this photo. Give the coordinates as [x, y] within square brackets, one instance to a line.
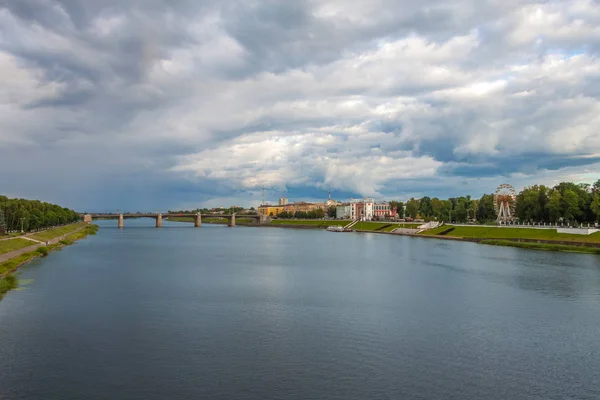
[149, 105]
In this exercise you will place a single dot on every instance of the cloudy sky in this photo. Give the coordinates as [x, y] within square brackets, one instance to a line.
[157, 104]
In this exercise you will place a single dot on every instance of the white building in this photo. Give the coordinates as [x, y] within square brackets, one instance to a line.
[283, 201]
[362, 209]
[343, 212]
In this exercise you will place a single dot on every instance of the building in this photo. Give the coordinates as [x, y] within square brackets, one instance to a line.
[362, 209]
[384, 210]
[283, 201]
[343, 212]
[303, 206]
[270, 211]
[330, 202]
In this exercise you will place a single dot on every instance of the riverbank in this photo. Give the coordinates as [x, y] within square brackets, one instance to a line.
[12, 261]
[526, 238]
[534, 239]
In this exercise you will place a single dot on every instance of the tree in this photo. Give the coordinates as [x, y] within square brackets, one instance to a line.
[437, 208]
[529, 207]
[595, 206]
[425, 208]
[461, 212]
[570, 205]
[33, 214]
[412, 207]
[398, 206]
[485, 208]
[331, 212]
[2, 222]
[554, 205]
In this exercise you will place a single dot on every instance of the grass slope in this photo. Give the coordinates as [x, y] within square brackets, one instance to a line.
[512, 233]
[7, 246]
[372, 226]
[543, 246]
[56, 232]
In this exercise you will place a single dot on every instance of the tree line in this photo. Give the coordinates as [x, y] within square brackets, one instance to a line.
[32, 215]
[566, 202]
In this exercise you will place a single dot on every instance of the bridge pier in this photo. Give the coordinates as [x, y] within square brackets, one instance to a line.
[198, 220]
[120, 223]
[231, 221]
[159, 221]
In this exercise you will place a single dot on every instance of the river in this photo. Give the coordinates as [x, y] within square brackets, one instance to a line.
[260, 313]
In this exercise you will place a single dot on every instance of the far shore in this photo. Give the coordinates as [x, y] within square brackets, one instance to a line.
[572, 245]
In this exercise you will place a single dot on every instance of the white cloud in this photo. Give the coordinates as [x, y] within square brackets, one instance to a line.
[366, 96]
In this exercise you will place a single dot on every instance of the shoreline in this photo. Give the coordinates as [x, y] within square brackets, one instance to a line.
[524, 243]
[8, 280]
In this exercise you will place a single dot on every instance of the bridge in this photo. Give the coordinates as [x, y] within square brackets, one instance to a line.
[159, 217]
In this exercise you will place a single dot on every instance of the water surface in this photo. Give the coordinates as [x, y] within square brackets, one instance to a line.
[267, 313]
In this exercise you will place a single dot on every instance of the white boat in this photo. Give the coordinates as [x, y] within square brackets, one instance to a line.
[335, 228]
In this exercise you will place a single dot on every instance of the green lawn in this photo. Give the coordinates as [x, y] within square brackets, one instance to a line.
[372, 226]
[56, 232]
[543, 246]
[511, 233]
[7, 246]
[309, 222]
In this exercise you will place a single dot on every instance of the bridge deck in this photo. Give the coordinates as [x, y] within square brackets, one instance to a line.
[167, 215]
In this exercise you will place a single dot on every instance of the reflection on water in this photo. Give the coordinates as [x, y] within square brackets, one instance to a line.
[259, 313]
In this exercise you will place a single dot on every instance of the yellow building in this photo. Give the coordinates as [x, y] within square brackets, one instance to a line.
[270, 210]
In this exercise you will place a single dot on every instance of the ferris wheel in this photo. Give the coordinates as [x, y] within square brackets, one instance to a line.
[505, 199]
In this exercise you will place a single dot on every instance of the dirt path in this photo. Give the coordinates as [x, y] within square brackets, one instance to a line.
[16, 253]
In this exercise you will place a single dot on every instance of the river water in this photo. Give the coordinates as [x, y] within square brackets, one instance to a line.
[259, 313]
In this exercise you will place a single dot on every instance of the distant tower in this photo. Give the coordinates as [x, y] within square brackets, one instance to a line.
[283, 201]
[329, 194]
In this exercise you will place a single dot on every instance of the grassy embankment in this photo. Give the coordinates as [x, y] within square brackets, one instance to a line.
[483, 232]
[361, 226]
[508, 236]
[6, 246]
[542, 246]
[8, 281]
[56, 232]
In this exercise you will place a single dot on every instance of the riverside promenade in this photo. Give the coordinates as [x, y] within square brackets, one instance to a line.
[35, 245]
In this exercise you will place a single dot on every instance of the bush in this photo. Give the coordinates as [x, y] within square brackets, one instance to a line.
[43, 250]
[7, 283]
[65, 242]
